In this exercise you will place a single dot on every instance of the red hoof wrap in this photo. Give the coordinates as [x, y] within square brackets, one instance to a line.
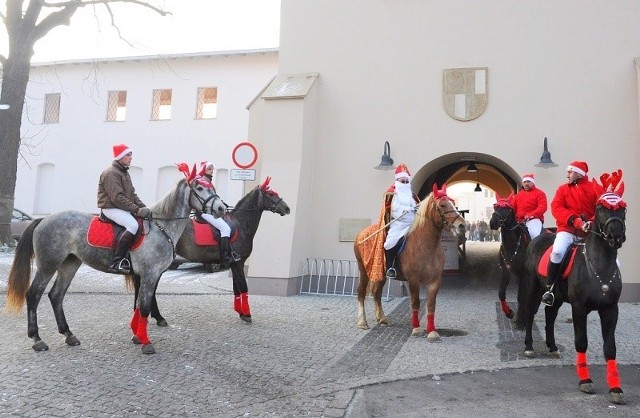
[505, 307]
[415, 321]
[431, 323]
[142, 330]
[134, 320]
[581, 366]
[613, 378]
[244, 304]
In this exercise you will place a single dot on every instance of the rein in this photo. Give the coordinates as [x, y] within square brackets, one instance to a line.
[521, 239]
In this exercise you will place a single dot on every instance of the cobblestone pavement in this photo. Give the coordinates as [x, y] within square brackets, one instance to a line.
[301, 356]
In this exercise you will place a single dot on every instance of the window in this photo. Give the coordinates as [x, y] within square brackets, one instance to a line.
[51, 108]
[207, 103]
[117, 106]
[161, 107]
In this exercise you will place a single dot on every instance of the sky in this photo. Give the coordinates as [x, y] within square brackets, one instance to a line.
[194, 26]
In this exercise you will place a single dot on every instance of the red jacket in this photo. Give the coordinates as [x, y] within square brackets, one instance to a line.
[530, 204]
[572, 201]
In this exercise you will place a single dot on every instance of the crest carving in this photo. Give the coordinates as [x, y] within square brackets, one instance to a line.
[465, 92]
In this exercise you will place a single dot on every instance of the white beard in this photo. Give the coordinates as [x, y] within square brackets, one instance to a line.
[403, 193]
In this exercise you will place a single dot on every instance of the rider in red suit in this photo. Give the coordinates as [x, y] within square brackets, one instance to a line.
[530, 204]
[573, 207]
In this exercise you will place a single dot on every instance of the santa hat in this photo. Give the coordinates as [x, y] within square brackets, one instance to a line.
[528, 177]
[204, 165]
[120, 150]
[402, 171]
[579, 167]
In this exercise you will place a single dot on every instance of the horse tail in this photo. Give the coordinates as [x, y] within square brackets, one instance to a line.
[20, 274]
[129, 283]
[524, 295]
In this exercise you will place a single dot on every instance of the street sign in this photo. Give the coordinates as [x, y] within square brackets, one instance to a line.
[236, 174]
[244, 155]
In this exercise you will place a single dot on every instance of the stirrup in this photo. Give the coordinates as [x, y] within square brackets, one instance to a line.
[234, 256]
[548, 298]
[122, 267]
[391, 273]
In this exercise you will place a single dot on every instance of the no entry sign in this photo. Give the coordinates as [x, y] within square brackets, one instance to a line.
[244, 155]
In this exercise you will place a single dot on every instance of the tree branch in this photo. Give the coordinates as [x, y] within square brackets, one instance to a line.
[88, 2]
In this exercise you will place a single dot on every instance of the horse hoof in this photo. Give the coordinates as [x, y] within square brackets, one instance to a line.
[554, 354]
[616, 396]
[510, 315]
[384, 322]
[434, 337]
[72, 341]
[587, 387]
[246, 318]
[417, 332]
[362, 325]
[40, 346]
[529, 353]
[135, 340]
[148, 349]
[163, 323]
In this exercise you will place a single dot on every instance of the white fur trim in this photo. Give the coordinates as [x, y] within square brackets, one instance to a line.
[123, 153]
[576, 170]
[531, 179]
[403, 174]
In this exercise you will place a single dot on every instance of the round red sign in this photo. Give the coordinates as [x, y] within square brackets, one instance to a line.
[244, 155]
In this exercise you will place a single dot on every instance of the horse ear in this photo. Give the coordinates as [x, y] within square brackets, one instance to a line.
[193, 173]
[620, 189]
[435, 189]
[265, 183]
[498, 197]
[444, 188]
[510, 198]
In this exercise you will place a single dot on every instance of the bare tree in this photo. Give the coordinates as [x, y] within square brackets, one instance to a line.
[25, 25]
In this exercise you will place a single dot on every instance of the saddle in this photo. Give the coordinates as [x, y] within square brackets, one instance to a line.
[104, 233]
[206, 235]
[567, 262]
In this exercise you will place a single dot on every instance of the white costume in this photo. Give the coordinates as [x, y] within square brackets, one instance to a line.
[403, 208]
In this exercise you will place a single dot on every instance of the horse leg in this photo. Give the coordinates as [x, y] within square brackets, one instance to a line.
[550, 315]
[432, 289]
[240, 282]
[530, 307]
[66, 272]
[362, 295]
[581, 343]
[33, 296]
[377, 302]
[145, 297]
[502, 292]
[608, 323]
[414, 297]
[155, 311]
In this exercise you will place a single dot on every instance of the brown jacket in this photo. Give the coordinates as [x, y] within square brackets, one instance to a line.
[115, 189]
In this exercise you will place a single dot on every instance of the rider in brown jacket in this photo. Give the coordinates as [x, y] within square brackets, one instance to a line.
[118, 201]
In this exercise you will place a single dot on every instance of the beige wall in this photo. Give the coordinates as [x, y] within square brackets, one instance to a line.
[562, 70]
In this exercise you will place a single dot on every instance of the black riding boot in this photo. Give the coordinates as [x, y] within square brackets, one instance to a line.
[119, 263]
[552, 273]
[390, 256]
[225, 253]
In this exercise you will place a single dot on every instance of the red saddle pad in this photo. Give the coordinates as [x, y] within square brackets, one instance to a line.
[102, 234]
[204, 236]
[543, 265]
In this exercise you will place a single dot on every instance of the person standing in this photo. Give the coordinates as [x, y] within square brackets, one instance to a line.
[573, 207]
[400, 206]
[530, 205]
[227, 255]
[118, 201]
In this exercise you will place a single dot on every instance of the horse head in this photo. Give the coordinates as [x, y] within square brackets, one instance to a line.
[611, 210]
[202, 197]
[271, 201]
[503, 213]
[449, 215]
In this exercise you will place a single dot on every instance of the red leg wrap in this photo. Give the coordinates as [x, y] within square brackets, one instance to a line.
[142, 330]
[431, 323]
[505, 307]
[415, 321]
[244, 299]
[581, 366]
[237, 304]
[134, 320]
[613, 378]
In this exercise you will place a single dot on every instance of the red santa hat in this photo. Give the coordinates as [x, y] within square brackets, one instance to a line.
[120, 150]
[204, 165]
[528, 177]
[579, 167]
[402, 171]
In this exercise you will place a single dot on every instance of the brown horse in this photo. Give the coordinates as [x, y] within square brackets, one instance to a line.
[420, 263]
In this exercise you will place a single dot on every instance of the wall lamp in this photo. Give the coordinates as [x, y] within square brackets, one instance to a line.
[471, 168]
[545, 159]
[386, 162]
[477, 189]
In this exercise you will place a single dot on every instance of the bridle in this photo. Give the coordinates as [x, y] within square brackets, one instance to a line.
[443, 214]
[203, 201]
[604, 231]
[522, 237]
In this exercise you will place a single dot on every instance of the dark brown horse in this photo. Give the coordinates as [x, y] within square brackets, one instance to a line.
[594, 284]
[246, 216]
[420, 263]
[513, 245]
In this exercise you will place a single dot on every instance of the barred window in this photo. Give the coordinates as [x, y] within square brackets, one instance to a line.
[117, 106]
[207, 103]
[161, 106]
[51, 108]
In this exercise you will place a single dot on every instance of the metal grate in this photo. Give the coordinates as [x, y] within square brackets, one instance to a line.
[323, 276]
[51, 108]
[207, 103]
[117, 106]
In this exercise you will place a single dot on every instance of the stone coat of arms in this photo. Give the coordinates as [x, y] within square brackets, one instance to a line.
[464, 92]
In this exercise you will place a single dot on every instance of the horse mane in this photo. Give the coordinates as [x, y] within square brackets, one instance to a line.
[167, 206]
[244, 201]
[426, 207]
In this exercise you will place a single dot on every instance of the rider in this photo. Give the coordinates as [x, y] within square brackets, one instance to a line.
[400, 211]
[573, 207]
[118, 201]
[227, 255]
[530, 204]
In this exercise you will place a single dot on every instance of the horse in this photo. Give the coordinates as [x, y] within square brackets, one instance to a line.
[59, 244]
[593, 283]
[420, 262]
[514, 241]
[245, 216]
